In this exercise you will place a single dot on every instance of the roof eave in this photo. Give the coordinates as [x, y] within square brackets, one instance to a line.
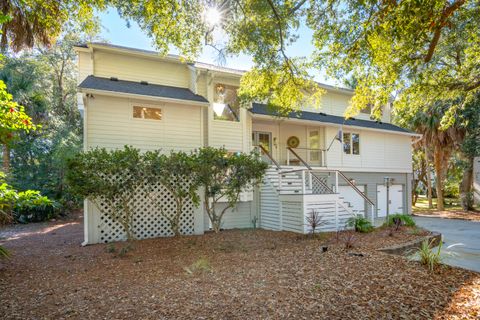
[141, 96]
[329, 124]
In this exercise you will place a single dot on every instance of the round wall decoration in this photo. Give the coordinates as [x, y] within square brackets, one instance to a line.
[293, 142]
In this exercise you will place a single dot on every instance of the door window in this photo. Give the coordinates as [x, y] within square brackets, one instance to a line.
[314, 145]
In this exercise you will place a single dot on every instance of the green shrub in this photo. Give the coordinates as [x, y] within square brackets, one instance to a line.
[31, 206]
[405, 219]
[429, 257]
[360, 224]
[24, 206]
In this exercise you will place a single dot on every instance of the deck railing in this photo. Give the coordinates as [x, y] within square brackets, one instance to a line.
[308, 152]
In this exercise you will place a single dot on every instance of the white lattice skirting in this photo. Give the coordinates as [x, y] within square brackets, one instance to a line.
[147, 220]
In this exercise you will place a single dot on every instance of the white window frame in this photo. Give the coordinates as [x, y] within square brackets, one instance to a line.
[351, 144]
[228, 84]
[147, 105]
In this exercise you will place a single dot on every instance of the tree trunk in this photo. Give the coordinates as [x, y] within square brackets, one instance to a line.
[429, 177]
[466, 186]
[438, 161]
[6, 158]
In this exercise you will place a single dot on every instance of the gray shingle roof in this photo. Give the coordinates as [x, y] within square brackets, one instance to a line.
[262, 109]
[132, 87]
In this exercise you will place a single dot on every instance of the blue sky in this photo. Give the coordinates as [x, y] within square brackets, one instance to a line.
[116, 31]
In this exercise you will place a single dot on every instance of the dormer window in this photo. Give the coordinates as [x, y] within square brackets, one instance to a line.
[226, 106]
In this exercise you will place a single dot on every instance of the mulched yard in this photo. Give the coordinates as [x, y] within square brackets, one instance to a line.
[241, 274]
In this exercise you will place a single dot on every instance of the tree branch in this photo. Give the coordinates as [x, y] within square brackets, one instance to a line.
[447, 12]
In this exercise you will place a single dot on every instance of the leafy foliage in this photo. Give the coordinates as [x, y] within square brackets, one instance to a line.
[428, 257]
[44, 81]
[360, 224]
[39, 22]
[4, 253]
[110, 177]
[24, 206]
[176, 172]
[12, 116]
[223, 177]
[405, 219]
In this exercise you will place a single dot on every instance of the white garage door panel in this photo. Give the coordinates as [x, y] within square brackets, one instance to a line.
[395, 200]
[351, 196]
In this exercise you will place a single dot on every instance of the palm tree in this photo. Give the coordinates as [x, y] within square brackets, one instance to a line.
[443, 142]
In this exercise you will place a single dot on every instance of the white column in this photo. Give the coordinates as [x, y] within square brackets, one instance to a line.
[303, 181]
[336, 182]
[198, 216]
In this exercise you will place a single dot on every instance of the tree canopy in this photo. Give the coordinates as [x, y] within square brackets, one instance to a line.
[419, 51]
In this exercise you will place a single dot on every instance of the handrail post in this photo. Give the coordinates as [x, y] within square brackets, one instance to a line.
[336, 214]
[279, 181]
[310, 181]
[288, 157]
[373, 215]
[336, 181]
[303, 181]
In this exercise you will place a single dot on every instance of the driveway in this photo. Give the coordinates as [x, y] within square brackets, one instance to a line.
[461, 240]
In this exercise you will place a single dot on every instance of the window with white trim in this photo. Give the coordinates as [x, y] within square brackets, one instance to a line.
[225, 104]
[351, 143]
[141, 112]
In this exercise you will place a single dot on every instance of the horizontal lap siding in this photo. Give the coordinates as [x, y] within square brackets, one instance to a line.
[85, 66]
[378, 151]
[141, 69]
[326, 210]
[269, 207]
[292, 216]
[111, 125]
[239, 217]
[227, 134]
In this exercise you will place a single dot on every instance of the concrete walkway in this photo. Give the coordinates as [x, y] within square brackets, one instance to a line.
[461, 238]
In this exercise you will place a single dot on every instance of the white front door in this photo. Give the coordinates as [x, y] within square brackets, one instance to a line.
[357, 203]
[395, 203]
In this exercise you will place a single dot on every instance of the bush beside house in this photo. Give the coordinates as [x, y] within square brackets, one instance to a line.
[113, 177]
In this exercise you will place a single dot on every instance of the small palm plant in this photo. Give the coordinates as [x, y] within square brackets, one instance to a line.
[428, 256]
[360, 224]
[4, 252]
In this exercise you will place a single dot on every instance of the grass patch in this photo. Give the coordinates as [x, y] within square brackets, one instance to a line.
[202, 265]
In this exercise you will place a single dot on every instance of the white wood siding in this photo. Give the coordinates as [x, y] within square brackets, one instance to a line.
[239, 217]
[379, 151]
[335, 104]
[230, 134]
[292, 215]
[85, 65]
[269, 207]
[134, 68]
[110, 124]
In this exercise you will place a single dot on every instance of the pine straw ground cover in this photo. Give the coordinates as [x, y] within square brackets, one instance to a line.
[242, 274]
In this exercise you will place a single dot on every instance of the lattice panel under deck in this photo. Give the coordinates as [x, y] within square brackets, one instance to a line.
[147, 221]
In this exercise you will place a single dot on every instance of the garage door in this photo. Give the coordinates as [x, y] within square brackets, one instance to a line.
[395, 200]
[355, 200]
